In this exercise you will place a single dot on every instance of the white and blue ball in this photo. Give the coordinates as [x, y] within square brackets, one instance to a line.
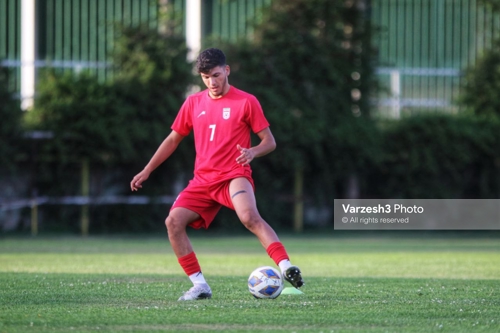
[265, 282]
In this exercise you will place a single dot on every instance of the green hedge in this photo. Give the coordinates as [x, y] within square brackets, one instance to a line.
[439, 156]
[424, 157]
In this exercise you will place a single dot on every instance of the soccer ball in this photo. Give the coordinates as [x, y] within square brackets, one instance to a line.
[265, 282]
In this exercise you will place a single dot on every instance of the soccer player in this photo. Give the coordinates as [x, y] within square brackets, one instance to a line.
[221, 118]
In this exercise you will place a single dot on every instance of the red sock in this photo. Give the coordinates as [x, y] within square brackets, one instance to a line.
[277, 252]
[189, 264]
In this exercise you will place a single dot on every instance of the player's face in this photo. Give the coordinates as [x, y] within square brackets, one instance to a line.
[216, 81]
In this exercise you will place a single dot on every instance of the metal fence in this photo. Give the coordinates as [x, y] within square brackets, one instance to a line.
[231, 19]
[423, 45]
[73, 34]
[10, 32]
[423, 48]
[79, 34]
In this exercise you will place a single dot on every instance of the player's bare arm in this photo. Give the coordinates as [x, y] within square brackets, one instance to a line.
[267, 144]
[167, 147]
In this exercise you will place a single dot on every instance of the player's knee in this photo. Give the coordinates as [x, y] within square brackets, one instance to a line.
[250, 219]
[173, 224]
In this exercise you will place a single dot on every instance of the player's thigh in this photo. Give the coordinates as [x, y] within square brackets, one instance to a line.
[242, 196]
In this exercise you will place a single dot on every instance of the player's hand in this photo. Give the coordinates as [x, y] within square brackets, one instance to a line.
[246, 156]
[137, 181]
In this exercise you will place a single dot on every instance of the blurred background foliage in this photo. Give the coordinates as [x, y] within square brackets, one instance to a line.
[483, 83]
[120, 120]
[493, 4]
[438, 156]
[10, 125]
[311, 66]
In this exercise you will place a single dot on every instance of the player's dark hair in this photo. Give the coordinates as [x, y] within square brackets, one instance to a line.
[209, 59]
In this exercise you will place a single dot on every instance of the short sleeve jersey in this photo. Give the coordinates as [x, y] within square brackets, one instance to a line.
[219, 125]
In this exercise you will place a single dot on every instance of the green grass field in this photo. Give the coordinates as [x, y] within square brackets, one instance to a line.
[352, 285]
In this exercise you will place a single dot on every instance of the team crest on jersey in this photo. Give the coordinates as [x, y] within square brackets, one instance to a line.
[226, 113]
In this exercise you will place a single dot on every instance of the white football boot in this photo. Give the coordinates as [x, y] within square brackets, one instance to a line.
[198, 291]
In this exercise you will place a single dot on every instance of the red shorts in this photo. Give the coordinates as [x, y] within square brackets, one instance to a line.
[206, 200]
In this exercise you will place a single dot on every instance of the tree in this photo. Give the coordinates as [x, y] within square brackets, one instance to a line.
[482, 81]
[493, 4]
[308, 63]
[153, 79]
[124, 119]
[480, 91]
[10, 124]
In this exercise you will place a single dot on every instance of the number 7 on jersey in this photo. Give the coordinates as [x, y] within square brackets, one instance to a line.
[212, 127]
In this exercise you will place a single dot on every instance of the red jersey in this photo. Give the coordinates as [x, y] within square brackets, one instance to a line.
[218, 126]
